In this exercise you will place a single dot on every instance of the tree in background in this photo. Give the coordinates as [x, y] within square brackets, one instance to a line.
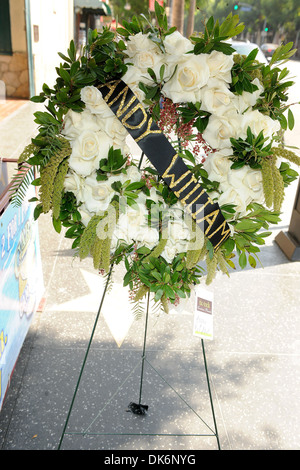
[136, 8]
[191, 18]
[280, 18]
[178, 14]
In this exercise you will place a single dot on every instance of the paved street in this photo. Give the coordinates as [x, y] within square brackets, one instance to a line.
[253, 360]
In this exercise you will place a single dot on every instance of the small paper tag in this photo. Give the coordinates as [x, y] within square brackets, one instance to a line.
[203, 318]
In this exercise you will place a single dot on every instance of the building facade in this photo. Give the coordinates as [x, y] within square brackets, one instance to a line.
[31, 34]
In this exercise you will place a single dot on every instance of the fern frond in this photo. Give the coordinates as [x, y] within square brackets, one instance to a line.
[20, 184]
[138, 309]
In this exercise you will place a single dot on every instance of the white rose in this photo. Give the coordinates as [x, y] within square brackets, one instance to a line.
[216, 97]
[91, 95]
[217, 164]
[181, 246]
[75, 184]
[138, 43]
[94, 102]
[133, 174]
[132, 78]
[176, 45]
[114, 129]
[221, 128]
[144, 60]
[87, 150]
[239, 197]
[169, 252]
[121, 234]
[178, 231]
[97, 194]
[75, 123]
[247, 100]
[220, 65]
[134, 75]
[136, 218]
[247, 179]
[191, 75]
[143, 53]
[147, 236]
[259, 122]
[140, 95]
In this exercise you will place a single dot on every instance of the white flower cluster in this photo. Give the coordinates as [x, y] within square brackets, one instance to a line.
[91, 134]
[206, 78]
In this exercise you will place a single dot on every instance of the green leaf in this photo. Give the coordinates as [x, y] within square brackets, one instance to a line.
[135, 185]
[291, 121]
[158, 295]
[64, 57]
[247, 225]
[169, 292]
[229, 245]
[210, 248]
[38, 99]
[64, 75]
[72, 51]
[252, 261]
[243, 260]
[56, 224]
[156, 275]
[123, 32]
[36, 182]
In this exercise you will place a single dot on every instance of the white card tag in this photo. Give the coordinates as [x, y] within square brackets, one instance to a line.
[203, 317]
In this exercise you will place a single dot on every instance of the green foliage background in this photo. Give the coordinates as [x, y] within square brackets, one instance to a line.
[281, 17]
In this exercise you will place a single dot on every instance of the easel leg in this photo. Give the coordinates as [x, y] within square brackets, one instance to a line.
[134, 407]
[210, 395]
[85, 357]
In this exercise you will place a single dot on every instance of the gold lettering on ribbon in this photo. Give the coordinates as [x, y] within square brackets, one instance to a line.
[172, 176]
[174, 180]
[148, 131]
[123, 94]
[134, 110]
[210, 219]
[224, 233]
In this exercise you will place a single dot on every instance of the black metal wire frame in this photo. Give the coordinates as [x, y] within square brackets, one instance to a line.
[211, 432]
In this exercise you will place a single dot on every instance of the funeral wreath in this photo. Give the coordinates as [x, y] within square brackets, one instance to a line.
[223, 114]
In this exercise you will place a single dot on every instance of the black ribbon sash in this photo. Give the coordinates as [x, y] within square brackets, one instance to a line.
[131, 113]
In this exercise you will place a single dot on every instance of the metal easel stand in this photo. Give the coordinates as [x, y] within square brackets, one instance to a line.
[137, 408]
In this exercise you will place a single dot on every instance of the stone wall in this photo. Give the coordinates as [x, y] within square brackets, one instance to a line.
[14, 73]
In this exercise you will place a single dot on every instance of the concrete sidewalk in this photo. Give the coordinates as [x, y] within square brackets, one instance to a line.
[253, 360]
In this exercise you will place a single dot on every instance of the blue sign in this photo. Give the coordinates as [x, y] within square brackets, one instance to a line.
[21, 282]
